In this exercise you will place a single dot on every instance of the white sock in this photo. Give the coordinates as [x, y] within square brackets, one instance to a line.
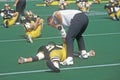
[25, 59]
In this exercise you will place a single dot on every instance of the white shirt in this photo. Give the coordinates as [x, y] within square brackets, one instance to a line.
[66, 15]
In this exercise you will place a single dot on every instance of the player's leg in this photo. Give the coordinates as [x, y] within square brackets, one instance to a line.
[29, 38]
[54, 66]
[83, 54]
[115, 12]
[54, 60]
[53, 63]
[12, 21]
[79, 37]
[5, 23]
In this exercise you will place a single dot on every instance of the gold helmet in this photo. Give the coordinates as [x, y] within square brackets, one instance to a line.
[28, 13]
[7, 6]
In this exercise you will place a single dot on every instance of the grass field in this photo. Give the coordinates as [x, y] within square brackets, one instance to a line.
[102, 35]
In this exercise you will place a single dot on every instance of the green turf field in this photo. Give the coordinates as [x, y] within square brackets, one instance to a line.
[102, 35]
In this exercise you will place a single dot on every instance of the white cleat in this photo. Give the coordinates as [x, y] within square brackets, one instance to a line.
[29, 38]
[68, 61]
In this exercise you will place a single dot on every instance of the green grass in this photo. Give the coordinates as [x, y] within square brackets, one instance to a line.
[102, 35]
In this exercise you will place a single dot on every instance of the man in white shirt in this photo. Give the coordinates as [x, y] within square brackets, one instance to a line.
[76, 22]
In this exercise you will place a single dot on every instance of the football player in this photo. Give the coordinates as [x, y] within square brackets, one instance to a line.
[32, 24]
[54, 55]
[118, 2]
[83, 5]
[9, 16]
[62, 4]
[96, 1]
[48, 2]
[113, 10]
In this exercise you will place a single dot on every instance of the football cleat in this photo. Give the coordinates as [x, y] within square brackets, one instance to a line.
[29, 38]
[52, 66]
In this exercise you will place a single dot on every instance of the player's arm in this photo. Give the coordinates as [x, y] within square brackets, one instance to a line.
[15, 3]
[14, 13]
[2, 13]
[63, 40]
[58, 17]
[62, 32]
[35, 25]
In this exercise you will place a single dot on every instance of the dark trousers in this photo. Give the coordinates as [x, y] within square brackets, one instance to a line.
[78, 25]
[20, 8]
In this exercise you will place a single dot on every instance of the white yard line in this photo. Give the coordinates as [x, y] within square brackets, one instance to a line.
[70, 68]
[86, 35]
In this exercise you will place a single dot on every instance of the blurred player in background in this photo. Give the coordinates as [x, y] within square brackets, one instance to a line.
[96, 1]
[83, 5]
[9, 15]
[62, 4]
[32, 24]
[48, 2]
[113, 9]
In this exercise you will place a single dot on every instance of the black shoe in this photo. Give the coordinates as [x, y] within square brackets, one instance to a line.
[52, 66]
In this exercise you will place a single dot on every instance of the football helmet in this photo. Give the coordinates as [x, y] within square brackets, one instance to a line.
[28, 13]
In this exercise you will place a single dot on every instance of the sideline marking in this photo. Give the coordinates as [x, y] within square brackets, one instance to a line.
[56, 37]
[70, 68]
